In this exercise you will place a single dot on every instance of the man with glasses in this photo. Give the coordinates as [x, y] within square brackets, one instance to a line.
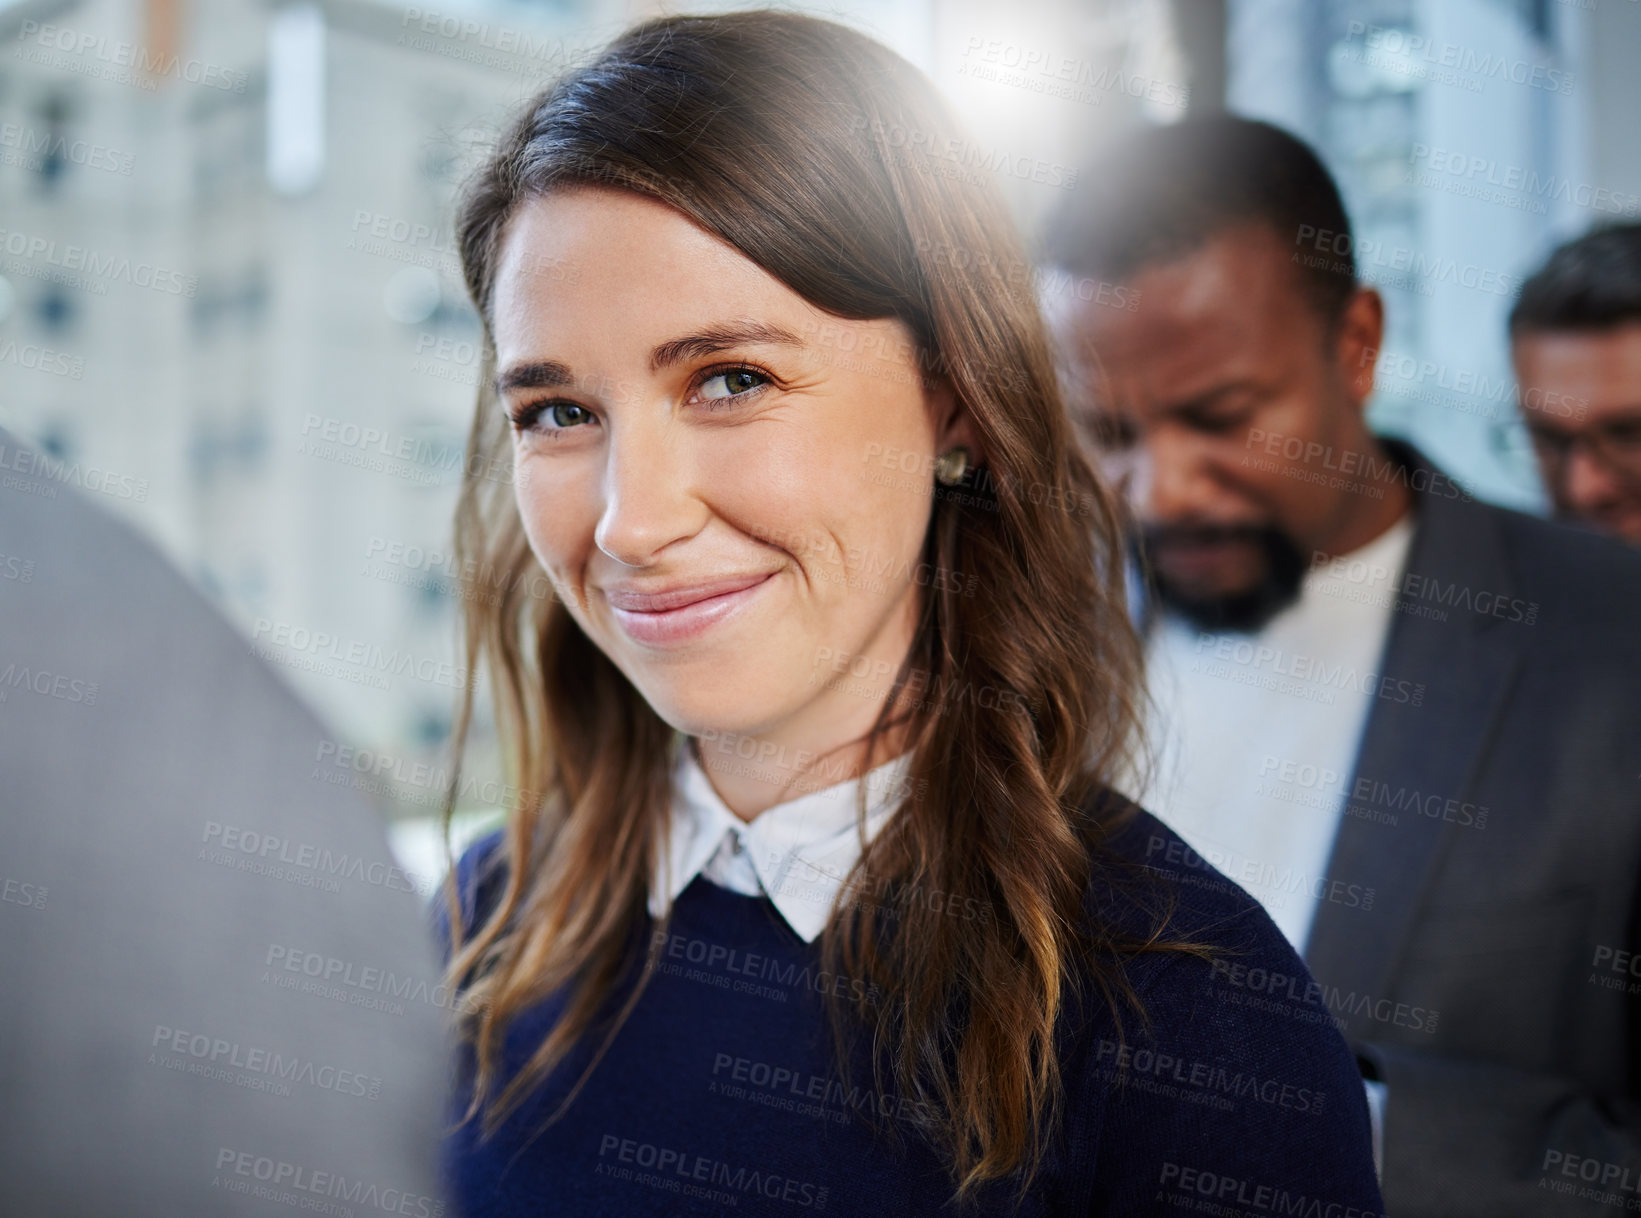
[1575, 339]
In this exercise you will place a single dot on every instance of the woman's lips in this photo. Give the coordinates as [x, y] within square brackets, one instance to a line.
[681, 613]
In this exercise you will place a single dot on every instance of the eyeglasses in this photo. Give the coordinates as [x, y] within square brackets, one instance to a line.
[1615, 442]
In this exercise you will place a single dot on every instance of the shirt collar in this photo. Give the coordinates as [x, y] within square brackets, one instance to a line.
[801, 849]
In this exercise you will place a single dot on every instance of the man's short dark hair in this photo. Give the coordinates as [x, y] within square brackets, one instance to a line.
[1592, 283]
[1160, 193]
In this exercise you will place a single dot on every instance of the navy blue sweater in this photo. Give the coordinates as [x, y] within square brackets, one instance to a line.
[720, 1094]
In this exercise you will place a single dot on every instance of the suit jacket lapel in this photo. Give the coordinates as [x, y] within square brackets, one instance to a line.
[1465, 665]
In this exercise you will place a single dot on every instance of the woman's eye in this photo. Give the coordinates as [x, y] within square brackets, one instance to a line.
[549, 418]
[732, 382]
[566, 414]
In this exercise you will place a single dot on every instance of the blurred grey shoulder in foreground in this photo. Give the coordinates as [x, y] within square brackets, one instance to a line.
[220, 994]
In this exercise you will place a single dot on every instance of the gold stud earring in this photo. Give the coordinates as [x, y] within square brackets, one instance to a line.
[951, 465]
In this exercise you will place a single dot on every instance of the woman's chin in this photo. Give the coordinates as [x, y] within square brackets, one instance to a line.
[738, 712]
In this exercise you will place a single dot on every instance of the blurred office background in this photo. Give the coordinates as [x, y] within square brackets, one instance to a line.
[230, 307]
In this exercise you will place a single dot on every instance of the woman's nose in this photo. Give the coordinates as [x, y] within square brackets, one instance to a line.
[649, 494]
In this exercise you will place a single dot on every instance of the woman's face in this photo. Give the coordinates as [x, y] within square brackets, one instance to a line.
[728, 487]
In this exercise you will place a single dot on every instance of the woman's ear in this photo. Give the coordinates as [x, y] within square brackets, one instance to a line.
[954, 426]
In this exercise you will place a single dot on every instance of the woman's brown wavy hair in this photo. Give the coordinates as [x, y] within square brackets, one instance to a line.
[830, 162]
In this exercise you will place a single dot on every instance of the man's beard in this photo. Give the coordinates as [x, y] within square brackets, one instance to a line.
[1241, 612]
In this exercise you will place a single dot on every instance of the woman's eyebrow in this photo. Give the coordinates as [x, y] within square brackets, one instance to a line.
[719, 338]
[549, 374]
[533, 374]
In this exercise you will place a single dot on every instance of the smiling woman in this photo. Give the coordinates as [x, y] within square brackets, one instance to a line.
[823, 710]
[661, 453]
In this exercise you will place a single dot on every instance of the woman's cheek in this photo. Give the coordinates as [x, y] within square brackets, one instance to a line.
[764, 488]
[557, 526]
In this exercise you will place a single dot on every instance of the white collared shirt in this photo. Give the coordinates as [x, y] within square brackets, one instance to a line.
[797, 852]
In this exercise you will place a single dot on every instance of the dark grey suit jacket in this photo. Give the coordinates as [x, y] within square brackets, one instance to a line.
[216, 992]
[1498, 822]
